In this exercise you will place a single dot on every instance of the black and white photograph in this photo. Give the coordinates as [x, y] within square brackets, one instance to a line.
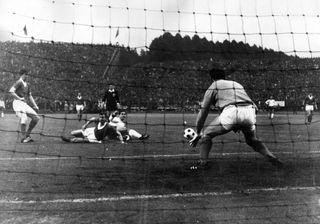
[159, 111]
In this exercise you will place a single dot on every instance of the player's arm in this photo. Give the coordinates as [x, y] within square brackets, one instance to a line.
[202, 116]
[118, 100]
[120, 136]
[91, 120]
[104, 99]
[204, 110]
[33, 102]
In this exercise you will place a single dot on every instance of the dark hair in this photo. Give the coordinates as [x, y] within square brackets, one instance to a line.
[217, 73]
[23, 71]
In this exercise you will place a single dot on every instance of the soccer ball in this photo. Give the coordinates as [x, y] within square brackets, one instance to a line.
[189, 133]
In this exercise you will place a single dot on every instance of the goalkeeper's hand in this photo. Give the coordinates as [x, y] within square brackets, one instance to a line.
[193, 142]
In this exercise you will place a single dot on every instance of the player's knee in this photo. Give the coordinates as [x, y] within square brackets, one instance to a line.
[35, 118]
[206, 139]
[23, 119]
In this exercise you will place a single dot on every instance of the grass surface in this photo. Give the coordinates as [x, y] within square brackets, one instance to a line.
[50, 181]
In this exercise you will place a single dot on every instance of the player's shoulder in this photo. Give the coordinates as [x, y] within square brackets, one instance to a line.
[18, 82]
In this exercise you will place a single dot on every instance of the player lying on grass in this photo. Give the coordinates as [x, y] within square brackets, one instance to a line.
[238, 112]
[118, 120]
[97, 134]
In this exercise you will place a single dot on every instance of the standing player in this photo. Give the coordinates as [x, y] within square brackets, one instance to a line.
[118, 120]
[97, 134]
[22, 94]
[310, 105]
[111, 99]
[2, 106]
[238, 112]
[80, 105]
[271, 105]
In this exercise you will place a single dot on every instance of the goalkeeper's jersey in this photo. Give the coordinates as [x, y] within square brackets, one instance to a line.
[223, 93]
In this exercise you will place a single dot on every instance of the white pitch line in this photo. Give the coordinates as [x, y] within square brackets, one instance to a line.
[156, 196]
[146, 156]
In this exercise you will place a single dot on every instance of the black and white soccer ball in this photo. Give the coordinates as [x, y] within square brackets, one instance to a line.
[189, 133]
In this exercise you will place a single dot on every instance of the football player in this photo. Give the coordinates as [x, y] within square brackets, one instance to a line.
[310, 105]
[97, 134]
[21, 93]
[118, 120]
[271, 105]
[238, 113]
[80, 105]
[111, 99]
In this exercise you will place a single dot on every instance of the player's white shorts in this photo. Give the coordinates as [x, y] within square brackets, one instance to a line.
[79, 107]
[2, 105]
[309, 107]
[89, 134]
[22, 110]
[238, 117]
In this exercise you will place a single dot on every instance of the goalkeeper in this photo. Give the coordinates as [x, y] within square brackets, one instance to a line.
[238, 112]
[97, 134]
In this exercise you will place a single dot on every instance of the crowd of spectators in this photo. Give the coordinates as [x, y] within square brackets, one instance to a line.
[59, 71]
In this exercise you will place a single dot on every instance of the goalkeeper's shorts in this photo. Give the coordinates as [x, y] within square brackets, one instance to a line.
[235, 117]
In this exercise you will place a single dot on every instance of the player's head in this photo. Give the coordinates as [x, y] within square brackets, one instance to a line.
[217, 73]
[112, 86]
[102, 117]
[23, 74]
[122, 115]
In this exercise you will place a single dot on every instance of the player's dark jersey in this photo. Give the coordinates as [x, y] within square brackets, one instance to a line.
[310, 101]
[22, 88]
[103, 130]
[111, 97]
[80, 101]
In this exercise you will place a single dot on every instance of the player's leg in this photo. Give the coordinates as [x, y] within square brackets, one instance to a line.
[272, 113]
[258, 146]
[310, 116]
[1, 111]
[23, 125]
[214, 129]
[34, 120]
[20, 108]
[134, 134]
[77, 133]
[75, 139]
[80, 113]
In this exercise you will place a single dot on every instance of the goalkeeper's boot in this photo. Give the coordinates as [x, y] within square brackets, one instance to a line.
[276, 162]
[200, 165]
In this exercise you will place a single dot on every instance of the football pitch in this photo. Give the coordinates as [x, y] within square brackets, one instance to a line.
[50, 181]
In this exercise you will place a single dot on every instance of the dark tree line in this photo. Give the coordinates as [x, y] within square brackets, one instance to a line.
[168, 47]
